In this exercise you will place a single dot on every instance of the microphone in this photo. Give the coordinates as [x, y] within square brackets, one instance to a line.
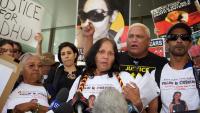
[79, 103]
[64, 108]
[61, 97]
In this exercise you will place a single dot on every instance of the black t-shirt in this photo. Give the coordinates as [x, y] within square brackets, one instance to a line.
[142, 65]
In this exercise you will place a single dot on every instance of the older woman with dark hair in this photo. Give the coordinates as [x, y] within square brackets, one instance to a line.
[65, 75]
[102, 72]
[29, 95]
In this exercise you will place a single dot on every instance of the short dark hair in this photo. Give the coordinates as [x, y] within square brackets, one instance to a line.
[18, 45]
[5, 41]
[90, 58]
[70, 45]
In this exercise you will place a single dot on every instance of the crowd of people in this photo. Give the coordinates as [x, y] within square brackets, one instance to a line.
[110, 80]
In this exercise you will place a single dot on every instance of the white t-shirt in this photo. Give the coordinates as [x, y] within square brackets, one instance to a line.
[183, 81]
[97, 84]
[25, 93]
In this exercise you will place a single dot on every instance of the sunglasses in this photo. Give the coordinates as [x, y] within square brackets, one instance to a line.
[95, 15]
[174, 37]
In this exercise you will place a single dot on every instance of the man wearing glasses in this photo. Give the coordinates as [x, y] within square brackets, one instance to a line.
[177, 75]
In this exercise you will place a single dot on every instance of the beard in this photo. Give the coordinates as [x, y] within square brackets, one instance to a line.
[178, 50]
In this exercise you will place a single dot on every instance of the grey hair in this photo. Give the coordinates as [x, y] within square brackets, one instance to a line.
[23, 59]
[144, 27]
[110, 101]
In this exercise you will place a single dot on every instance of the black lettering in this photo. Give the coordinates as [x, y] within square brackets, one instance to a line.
[14, 6]
[27, 10]
[36, 12]
[15, 31]
[3, 2]
[3, 28]
[7, 16]
[20, 6]
[14, 16]
[2, 11]
[26, 38]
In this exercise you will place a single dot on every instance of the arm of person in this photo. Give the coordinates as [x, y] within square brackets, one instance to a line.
[87, 33]
[39, 38]
[171, 108]
[153, 106]
[131, 92]
[30, 106]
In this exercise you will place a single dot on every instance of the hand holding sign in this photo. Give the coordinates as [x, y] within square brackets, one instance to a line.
[20, 20]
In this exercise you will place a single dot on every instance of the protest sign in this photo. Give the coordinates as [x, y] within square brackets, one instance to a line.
[157, 46]
[111, 23]
[180, 11]
[20, 20]
[9, 74]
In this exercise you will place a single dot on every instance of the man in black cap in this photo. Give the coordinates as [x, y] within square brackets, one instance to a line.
[177, 75]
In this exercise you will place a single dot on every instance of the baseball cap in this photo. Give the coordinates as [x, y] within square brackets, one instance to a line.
[180, 25]
[47, 58]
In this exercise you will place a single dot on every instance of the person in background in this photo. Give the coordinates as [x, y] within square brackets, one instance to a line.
[6, 47]
[177, 75]
[48, 62]
[137, 60]
[102, 71]
[194, 53]
[110, 101]
[30, 94]
[96, 16]
[65, 75]
[17, 50]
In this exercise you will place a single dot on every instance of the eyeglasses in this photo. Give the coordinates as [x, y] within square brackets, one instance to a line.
[95, 15]
[174, 37]
[3, 50]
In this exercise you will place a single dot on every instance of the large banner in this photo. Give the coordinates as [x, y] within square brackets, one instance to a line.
[180, 11]
[157, 46]
[110, 18]
[20, 20]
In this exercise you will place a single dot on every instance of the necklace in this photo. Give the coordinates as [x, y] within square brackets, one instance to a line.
[71, 75]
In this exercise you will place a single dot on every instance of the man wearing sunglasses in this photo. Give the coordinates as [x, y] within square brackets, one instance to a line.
[177, 75]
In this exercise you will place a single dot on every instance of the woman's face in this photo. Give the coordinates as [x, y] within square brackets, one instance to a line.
[7, 49]
[32, 70]
[68, 56]
[177, 96]
[94, 8]
[173, 16]
[105, 57]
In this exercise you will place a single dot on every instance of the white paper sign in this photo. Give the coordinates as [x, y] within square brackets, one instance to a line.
[5, 76]
[20, 20]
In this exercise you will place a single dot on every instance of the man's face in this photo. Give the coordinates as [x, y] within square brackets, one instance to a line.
[137, 42]
[97, 14]
[180, 46]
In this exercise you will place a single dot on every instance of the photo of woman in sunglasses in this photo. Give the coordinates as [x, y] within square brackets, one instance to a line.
[102, 18]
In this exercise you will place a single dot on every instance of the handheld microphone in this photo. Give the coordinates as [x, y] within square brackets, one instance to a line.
[61, 97]
[64, 108]
[79, 103]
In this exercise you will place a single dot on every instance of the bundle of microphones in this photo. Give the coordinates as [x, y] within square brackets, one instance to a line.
[78, 104]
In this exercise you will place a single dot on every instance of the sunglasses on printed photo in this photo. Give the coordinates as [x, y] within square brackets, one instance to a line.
[174, 37]
[95, 15]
